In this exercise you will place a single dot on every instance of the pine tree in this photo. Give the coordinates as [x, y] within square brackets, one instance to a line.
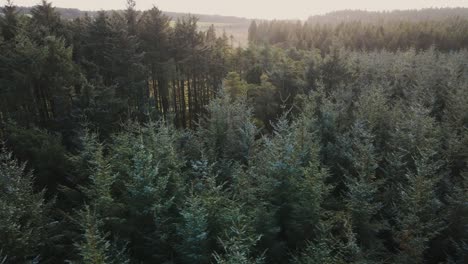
[322, 250]
[310, 189]
[151, 186]
[417, 216]
[193, 232]
[238, 243]
[458, 219]
[101, 178]
[154, 33]
[266, 107]
[333, 70]
[227, 131]
[127, 65]
[94, 248]
[317, 253]
[98, 49]
[24, 213]
[9, 22]
[131, 17]
[362, 198]
[45, 93]
[100, 211]
[45, 21]
[235, 87]
[253, 37]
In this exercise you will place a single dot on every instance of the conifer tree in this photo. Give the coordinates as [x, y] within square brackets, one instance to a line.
[24, 213]
[98, 191]
[322, 250]
[154, 34]
[237, 244]
[94, 248]
[193, 232]
[9, 22]
[100, 211]
[253, 37]
[362, 184]
[151, 185]
[45, 21]
[417, 216]
[235, 87]
[227, 131]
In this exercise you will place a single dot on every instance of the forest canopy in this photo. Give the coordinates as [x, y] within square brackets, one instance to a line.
[127, 137]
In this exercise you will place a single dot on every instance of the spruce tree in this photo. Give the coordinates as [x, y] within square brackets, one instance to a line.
[362, 195]
[24, 213]
[9, 22]
[193, 232]
[418, 219]
[253, 37]
[94, 248]
[238, 243]
[45, 21]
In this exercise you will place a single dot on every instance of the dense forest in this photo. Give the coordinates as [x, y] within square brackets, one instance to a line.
[235, 27]
[446, 29]
[126, 138]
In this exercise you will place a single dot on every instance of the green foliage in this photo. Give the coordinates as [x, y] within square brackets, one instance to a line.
[194, 232]
[9, 21]
[24, 214]
[263, 99]
[238, 244]
[418, 219]
[317, 254]
[101, 178]
[234, 86]
[228, 132]
[44, 152]
[94, 248]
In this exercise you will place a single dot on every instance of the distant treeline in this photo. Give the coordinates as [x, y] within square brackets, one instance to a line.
[73, 13]
[396, 15]
[446, 29]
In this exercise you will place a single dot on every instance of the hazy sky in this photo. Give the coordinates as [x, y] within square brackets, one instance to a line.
[256, 8]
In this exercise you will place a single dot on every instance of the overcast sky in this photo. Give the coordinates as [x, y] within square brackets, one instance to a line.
[269, 9]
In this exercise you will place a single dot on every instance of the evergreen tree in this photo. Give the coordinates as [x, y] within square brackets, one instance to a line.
[24, 214]
[234, 86]
[45, 21]
[322, 250]
[228, 133]
[362, 199]
[194, 232]
[253, 37]
[94, 247]
[417, 217]
[101, 178]
[238, 244]
[9, 22]
[154, 34]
